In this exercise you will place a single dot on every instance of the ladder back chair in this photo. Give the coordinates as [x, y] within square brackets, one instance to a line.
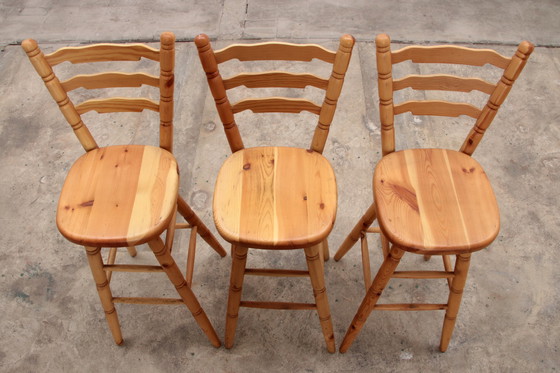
[272, 197]
[124, 195]
[431, 201]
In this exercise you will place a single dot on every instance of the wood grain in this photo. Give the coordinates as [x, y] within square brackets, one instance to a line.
[275, 79]
[274, 51]
[117, 105]
[435, 201]
[118, 196]
[450, 54]
[110, 80]
[276, 105]
[438, 108]
[275, 197]
[102, 52]
[443, 83]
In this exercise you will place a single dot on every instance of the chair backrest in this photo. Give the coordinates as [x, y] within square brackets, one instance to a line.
[446, 54]
[109, 52]
[275, 51]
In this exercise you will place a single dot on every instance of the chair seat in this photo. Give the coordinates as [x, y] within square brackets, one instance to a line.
[275, 198]
[435, 201]
[118, 196]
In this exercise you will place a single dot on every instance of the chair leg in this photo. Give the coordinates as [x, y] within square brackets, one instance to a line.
[238, 262]
[326, 254]
[317, 276]
[385, 245]
[374, 292]
[170, 267]
[364, 223]
[189, 215]
[366, 268]
[454, 302]
[132, 251]
[96, 265]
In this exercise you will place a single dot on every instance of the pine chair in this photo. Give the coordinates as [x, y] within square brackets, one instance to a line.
[276, 198]
[431, 201]
[124, 195]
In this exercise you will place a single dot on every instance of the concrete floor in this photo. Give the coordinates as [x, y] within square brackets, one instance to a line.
[53, 321]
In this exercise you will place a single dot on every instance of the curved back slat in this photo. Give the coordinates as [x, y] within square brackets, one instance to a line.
[276, 105]
[445, 55]
[165, 56]
[117, 104]
[275, 79]
[274, 51]
[450, 54]
[438, 108]
[110, 80]
[102, 52]
[443, 83]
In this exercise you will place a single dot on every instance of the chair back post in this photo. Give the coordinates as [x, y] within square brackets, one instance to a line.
[215, 82]
[58, 93]
[385, 87]
[336, 81]
[511, 73]
[166, 88]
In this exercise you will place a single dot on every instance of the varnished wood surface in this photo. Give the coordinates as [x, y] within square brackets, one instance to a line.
[275, 79]
[118, 196]
[438, 108]
[117, 105]
[435, 201]
[274, 51]
[102, 52]
[276, 105]
[452, 54]
[443, 82]
[275, 197]
[109, 80]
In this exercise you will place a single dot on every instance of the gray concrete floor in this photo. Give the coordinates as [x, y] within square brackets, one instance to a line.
[52, 319]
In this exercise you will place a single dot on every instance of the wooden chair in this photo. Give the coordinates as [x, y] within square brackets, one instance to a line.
[124, 195]
[276, 198]
[431, 201]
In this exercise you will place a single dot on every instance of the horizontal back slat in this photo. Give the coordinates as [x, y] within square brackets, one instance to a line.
[276, 105]
[117, 104]
[277, 79]
[102, 52]
[450, 54]
[435, 107]
[110, 80]
[443, 83]
[274, 51]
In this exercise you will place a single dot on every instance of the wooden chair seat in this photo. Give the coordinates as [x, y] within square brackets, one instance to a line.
[118, 196]
[435, 201]
[275, 198]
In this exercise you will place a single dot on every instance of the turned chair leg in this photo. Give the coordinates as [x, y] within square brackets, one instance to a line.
[170, 267]
[96, 265]
[189, 215]
[374, 292]
[364, 223]
[320, 292]
[238, 262]
[454, 302]
[132, 251]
